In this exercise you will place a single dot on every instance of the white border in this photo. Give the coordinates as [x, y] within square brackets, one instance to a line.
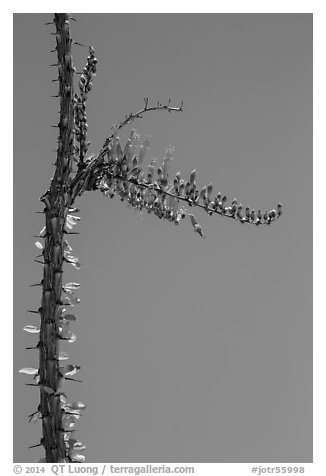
[319, 466]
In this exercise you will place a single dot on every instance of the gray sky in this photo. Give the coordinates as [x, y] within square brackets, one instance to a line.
[191, 350]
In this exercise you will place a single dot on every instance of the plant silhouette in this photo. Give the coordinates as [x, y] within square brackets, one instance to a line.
[117, 171]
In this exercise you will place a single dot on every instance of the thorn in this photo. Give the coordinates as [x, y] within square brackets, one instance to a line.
[54, 80]
[73, 19]
[39, 212]
[30, 417]
[28, 348]
[79, 44]
[53, 51]
[34, 446]
[31, 384]
[36, 284]
[73, 379]
[54, 64]
[49, 23]
[56, 96]
[34, 312]
[37, 261]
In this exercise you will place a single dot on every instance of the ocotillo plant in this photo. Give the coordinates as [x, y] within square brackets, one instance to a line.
[117, 171]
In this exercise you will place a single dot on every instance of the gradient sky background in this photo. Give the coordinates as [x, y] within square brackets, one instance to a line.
[191, 350]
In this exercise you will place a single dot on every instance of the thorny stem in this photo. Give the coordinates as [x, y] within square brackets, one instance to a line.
[55, 212]
[132, 116]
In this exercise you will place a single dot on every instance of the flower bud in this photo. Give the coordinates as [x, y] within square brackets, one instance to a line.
[192, 176]
[144, 148]
[239, 212]
[209, 191]
[202, 194]
[160, 173]
[39, 245]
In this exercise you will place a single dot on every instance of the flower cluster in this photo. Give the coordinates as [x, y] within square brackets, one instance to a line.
[85, 85]
[122, 175]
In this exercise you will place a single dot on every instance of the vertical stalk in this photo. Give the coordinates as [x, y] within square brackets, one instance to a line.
[55, 201]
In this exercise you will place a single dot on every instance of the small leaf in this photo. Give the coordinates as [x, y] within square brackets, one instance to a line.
[73, 260]
[72, 219]
[68, 422]
[78, 458]
[76, 265]
[31, 329]
[63, 356]
[72, 286]
[72, 442]
[28, 371]
[76, 449]
[77, 405]
[69, 370]
[66, 246]
[70, 411]
[68, 336]
[39, 245]
[72, 298]
[72, 337]
[69, 317]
